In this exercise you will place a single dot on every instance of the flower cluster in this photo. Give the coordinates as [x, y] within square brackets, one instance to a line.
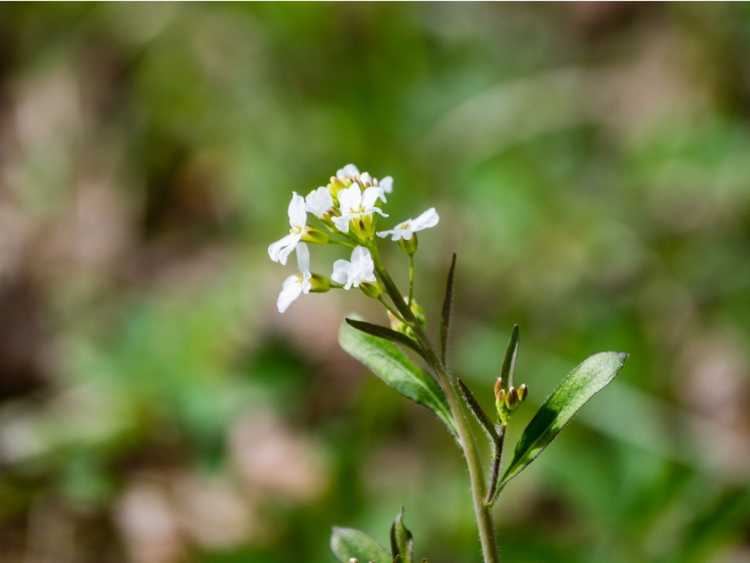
[345, 211]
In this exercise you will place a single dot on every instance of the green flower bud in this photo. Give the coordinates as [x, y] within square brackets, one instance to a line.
[409, 246]
[371, 289]
[319, 284]
[314, 236]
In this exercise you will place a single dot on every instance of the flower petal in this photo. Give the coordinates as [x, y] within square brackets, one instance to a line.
[319, 202]
[297, 212]
[350, 199]
[303, 258]
[340, 272]
[387, 184]
[426, 220]
[342, 223]
[369, 198]
[291, 289]
[279, 251]
[348, 172]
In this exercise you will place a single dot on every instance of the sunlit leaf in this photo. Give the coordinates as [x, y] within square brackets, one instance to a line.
[391, 365]
[578, 387]
[348, 544]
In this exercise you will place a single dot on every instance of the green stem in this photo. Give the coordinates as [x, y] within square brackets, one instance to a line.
[482, 512]
[411, 278]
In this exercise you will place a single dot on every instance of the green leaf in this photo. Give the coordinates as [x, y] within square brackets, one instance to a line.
[384, 332]
[391, 365]
[575, 390]
[446, 316]
[348, 543]
[511, 353]
[402, 541]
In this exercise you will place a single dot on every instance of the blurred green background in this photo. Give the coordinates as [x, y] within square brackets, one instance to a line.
[591, 165]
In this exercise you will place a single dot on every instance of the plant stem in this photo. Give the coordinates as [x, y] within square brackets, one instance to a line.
[411, 278]
[482, 512]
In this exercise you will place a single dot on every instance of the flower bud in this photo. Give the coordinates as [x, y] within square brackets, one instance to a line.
[523, 391]
[512, 400]
[362, 227]
[319, 284]
[417, 311]
[314, 236]
[371, 289]
[409, 245]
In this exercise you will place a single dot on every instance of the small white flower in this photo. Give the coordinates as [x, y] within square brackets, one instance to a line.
[387, 184]
[280, 250]
[406, 229]
[356, 204]
[361, 269]
[348, 173]
[319, 202]
[297, 284]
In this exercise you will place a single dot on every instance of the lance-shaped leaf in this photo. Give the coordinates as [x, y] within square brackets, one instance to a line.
[446, 316]
[509, 363]
[575, 390]
[348, 544]
[495, 436]
[391, 365]
[386, 333]
[402, 542]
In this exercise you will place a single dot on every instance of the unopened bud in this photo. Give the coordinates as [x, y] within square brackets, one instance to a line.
[512, 400]
[314, 236]
[523, 391]
[409, 245]
[417, 311]
[371, 289]
[319, 284]
[498, 386]
[335, 186]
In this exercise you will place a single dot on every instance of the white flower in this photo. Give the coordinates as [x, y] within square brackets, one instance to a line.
[351, 274]
[406, 229]
[355, 204]
[348, 173]
[386, 187]
[319, 202]
[297, 284]
[282, 248]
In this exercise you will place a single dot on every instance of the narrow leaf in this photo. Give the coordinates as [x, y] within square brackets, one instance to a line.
[476, 410]
[391, 365]
[511, 353]
[402, 541]
[497, 458]
[384, 332]
[575, 390]
[446, 317]
[348, 544]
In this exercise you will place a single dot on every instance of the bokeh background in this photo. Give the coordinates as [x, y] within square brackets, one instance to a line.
[591, 165]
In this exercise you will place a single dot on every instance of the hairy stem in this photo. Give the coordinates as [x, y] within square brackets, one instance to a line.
[482, 512]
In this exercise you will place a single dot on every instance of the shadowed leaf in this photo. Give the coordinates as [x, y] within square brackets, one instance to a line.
[446, 316]
[384, 332]
[391, 365]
